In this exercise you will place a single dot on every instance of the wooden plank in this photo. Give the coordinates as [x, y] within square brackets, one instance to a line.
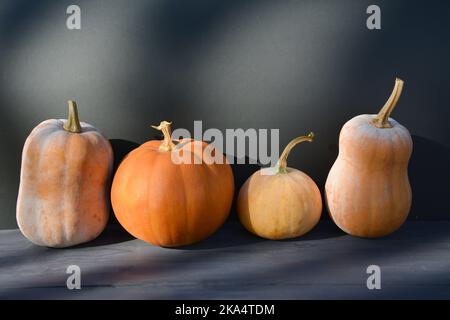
[233, 264]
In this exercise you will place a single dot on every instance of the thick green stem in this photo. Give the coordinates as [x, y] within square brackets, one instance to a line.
[73, 122]
[282, 162]
[167, 144]
[382, 119]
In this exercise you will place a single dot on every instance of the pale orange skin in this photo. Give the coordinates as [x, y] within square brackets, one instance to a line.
[367, 191]
[279, 206]
[63, 195]
[168, 204]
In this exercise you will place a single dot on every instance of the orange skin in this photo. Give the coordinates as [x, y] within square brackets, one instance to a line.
[168, 204]
[367, 191]
[63, 199]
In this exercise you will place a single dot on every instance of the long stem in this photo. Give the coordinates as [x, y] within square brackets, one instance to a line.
[167, 144]
[73, 122]
[382, 119]
[282, 162]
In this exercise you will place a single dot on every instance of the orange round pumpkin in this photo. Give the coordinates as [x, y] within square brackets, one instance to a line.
[64, 183]
[172, 203]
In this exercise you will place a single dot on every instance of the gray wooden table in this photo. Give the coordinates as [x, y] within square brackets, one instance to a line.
[233, 264]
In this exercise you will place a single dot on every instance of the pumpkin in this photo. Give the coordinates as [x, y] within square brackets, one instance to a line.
[167, 202]
[65, 174]
[280, 202]
[367, 190]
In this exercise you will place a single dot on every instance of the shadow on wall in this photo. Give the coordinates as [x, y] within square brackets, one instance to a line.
[428, 175]
[241, 173]
[198, 65]
[429, 178]
[120, 148]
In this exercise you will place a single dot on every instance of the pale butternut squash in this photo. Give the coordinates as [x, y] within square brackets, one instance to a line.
[367, 190]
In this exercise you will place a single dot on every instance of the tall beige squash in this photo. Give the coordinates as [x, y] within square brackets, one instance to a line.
[367, 191]
[63, 195]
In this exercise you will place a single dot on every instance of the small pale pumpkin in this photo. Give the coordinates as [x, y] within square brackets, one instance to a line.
[169, 203]
[63, 195]
[280, 202]
[367, 190]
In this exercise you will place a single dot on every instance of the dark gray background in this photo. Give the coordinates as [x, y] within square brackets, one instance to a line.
[293, 65]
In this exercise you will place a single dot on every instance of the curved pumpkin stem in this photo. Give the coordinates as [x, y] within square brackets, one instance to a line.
[167, 144]
[73, 122]
[282, 162]
[382, 119]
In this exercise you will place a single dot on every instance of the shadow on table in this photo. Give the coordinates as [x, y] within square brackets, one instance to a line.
[325, 229]
[269, 269]
[113, 234]
[399, 251]
[233, 234]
